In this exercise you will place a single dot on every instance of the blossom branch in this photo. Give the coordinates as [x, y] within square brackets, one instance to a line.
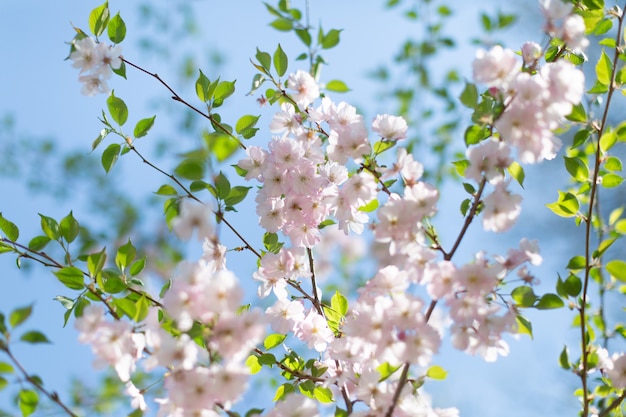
[447, 256]
[53, 396]
[47, 261]
[588, 226]
[189, 194]
[178, 98]
[317, 304]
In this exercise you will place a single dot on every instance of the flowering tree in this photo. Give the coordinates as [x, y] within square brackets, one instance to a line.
[326, 184]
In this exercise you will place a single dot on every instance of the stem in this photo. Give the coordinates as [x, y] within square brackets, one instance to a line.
[47, 261]
[189, 194]
[53, 396]
[178, 98]
[613, 405]
[316, 299]
[588, 226]
[447, 256]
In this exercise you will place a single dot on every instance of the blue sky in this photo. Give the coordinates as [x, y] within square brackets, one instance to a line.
[40, 90]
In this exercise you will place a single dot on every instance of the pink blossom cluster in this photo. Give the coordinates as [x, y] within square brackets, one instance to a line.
[96, 61]
[198, 379]
[534, 104]
[305, 182]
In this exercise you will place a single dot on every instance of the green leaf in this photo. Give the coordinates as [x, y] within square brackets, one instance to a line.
[69, 228]
[117, 29]
[607, 140]
[71, 277]
[223, 90]
[267, 359]
[578, 114]
[95, 262]
[613, 163]
[304, 36]
[330, 39]
[117, 108]
[323, 394]
[137, 267]
[202, 87]
[566, 206]
[66, 302]
[28, 401]
[264, 59]
[524, 296]
[6, 368]
[564, 359]
[611, 180]
[524, 325]
[339, 303]
[436, 372]
[3, 383]
[253, 364]
[617, 269]
[50, 227]
[191, 169]
[99, 19]
[577, 263]
[273, 340]
[576, 168]
[469, 96]
[245, 123]
[549, 301]
[9, 229]
[166, 189]
[337, 86]
[282, 24]
[222, 185]
[38, 243]
[20, 315]
[370, 207]
[517, 171]
[126, 306]
[280, 61]
[603, 69]
[461, 166]
[111, 282]
[474, 134]
[110, 155]
[143, 126]
[386, 370]
[236, 195]
[283, 390]
[125, 255]
[34, 337]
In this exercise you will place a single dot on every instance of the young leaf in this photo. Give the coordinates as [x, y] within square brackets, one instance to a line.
[436, 372]
[202, 87]
[549, 301]
[273, 340]
[110, 155]
[50, 227]
[117, 108]
[617, 269]
[143, 126]
[9, 229]
[28, 401]
[603, 69]
[264, 59]
[34, 336]
[337, 86]
[116, 29]
[330, 39]
[469, 96]
[20, 315]
[99, 19]
[71, 277]
[125, 255]
[280, 61]
[69, 228]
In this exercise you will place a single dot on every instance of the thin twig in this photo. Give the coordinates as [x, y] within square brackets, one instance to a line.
[53, 396]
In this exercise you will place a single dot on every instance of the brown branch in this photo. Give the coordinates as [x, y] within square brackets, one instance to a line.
[588, 226]
[53, 396]
[178, 98]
